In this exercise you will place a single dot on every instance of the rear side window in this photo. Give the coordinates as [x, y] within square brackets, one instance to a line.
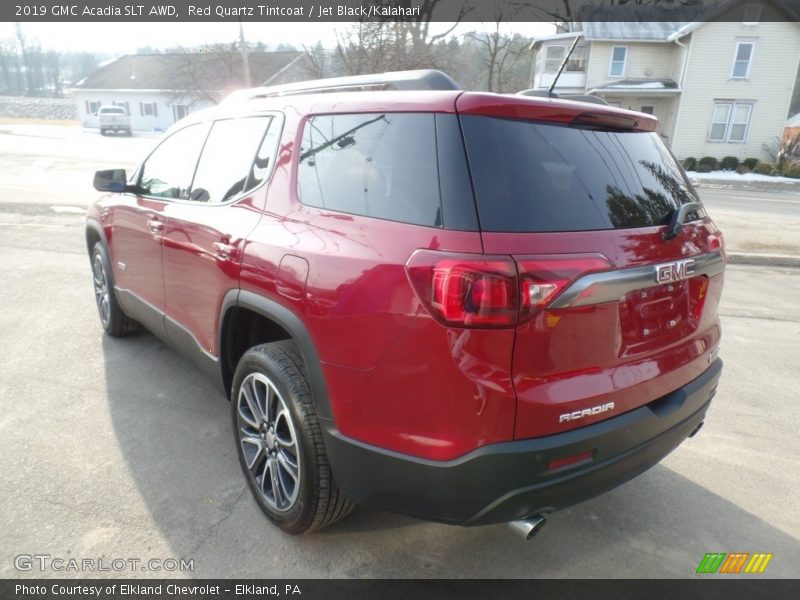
[541, 177]
[379, 165]
[226, 160]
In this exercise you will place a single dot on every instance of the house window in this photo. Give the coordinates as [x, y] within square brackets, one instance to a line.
[752, 14]
[577, 60]
[124, 105]
[619, 56]
[730, 121]
[554, 56]
[742, 60]
[648, 109]
[179, 111]
[92, 107]
[148, 109]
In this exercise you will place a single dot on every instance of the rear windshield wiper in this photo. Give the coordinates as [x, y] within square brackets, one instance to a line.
[679, 216]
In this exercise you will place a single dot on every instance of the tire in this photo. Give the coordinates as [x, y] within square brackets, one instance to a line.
[279, 441]
[115, 322]
[102, 132]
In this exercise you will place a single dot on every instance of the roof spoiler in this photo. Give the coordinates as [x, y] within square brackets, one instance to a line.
[423, 79]
[576, 97]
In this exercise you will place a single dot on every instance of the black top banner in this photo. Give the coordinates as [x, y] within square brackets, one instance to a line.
[390, 10]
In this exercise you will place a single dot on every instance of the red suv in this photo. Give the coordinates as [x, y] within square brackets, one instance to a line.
[467, 307]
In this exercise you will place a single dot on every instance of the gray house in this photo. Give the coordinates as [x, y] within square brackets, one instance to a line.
[159, 89]
[720, 86]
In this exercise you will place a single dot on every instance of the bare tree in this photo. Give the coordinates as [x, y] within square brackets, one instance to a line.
[501, 53]
[317, 61]
[369, 47]
[205, 77]
[23, 48]
[784, 153]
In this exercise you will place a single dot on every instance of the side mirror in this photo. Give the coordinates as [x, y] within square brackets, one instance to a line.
[111, 180]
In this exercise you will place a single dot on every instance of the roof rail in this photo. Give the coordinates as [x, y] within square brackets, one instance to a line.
[423, 79]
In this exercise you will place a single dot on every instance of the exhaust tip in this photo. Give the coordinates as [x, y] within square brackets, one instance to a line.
[697, 429]
[527, 528]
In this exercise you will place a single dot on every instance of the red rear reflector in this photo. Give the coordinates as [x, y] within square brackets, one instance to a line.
[466, 290]
[560, 463]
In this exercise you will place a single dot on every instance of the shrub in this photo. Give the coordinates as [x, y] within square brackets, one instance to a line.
[704, 168]
[764, 169]
[750, 163]
[742, 169]
[792, 171]
[710, 162]
[690, 163]
[729, 163]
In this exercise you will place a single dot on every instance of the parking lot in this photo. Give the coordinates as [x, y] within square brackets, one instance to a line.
[119, 449]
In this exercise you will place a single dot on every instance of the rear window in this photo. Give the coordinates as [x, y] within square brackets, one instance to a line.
[541, 177]
[380, 165]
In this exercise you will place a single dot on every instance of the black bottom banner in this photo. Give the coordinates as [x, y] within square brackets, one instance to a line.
[386, 589]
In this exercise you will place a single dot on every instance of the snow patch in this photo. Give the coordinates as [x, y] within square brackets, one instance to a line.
[743, 177]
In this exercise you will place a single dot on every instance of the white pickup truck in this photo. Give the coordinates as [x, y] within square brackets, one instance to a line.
[113, 118]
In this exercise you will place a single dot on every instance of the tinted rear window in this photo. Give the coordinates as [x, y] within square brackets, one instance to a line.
[542, 177]
[380, 165]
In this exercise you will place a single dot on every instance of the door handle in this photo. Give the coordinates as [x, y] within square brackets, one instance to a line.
[224, 251]
[155, 226]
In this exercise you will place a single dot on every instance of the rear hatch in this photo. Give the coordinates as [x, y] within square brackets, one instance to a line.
[613, 315]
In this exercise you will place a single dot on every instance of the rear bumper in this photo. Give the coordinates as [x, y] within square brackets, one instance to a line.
[508, 481]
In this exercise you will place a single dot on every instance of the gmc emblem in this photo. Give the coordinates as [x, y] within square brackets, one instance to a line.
[675, 271]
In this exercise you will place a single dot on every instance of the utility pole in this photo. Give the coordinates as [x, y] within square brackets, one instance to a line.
[245, 61]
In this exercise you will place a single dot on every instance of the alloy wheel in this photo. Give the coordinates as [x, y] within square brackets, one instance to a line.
[101, 291]
[268, 442]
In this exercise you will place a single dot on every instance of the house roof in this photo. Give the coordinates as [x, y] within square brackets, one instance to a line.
[791, 12]
[663, 86]
[651, 23]
[213, 71]
[651, 31]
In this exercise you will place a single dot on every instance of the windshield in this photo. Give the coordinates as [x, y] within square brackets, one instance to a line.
[542, 177]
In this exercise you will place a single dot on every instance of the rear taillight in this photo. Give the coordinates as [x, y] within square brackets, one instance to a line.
[543, 278]
[469, 290]
[466, 290]
[716, 242]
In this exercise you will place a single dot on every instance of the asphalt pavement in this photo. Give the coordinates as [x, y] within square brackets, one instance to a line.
[117, 448]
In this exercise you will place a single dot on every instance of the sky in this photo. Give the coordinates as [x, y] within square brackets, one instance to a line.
[123, 38]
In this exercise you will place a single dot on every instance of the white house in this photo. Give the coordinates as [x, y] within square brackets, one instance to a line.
[159, 89]
[720, 86]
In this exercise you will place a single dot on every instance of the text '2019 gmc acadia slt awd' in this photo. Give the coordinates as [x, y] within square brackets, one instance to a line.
[468, 307]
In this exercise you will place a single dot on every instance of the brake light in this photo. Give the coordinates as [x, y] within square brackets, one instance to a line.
[615, 122]
[543, 278]
[465, 290]
[473, 290]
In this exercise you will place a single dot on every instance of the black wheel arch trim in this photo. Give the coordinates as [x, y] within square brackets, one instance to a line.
[95, 226]
[289, 321]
